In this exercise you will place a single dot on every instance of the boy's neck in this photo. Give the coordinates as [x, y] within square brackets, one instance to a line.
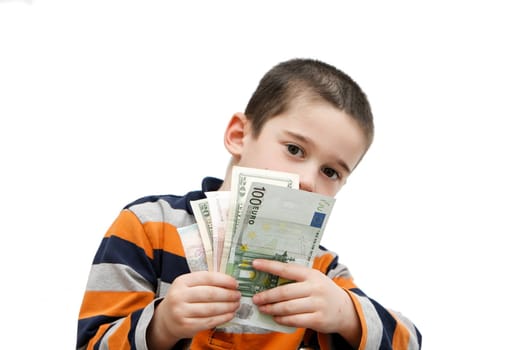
[226, 185]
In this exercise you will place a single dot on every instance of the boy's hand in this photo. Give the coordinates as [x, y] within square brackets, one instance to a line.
[313, 301]
[194, 302]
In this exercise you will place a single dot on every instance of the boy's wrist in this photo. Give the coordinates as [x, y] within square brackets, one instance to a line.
[351, 324]
[158, 335]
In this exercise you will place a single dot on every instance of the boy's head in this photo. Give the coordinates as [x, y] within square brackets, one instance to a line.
[305, 117]
[310, 78]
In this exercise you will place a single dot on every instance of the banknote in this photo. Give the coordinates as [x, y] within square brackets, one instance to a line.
[277, 223]
[218, 207]
[193, 247]
[202, 213]
[241, 179]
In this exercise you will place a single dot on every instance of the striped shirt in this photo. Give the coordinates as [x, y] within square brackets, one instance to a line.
[140, 256]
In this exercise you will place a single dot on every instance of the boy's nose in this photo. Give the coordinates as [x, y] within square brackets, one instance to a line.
[307, 182]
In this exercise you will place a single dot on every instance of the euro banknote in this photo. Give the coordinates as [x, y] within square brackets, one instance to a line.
[277, 223]
[263, 216]
[193, 247]
[241, 180]
[202, 213]
[219, 203]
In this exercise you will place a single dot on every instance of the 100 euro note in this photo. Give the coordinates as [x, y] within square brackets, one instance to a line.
[241, 180]
[277, 224]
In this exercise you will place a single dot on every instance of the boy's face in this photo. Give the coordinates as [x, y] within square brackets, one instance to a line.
[313, 139]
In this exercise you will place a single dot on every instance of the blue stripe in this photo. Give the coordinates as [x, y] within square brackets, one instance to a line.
[358, 292]
[334, 262]
[338, 342]
[419, 337]
[132, 332]
[389, 325]
[116, 250]
[88, 327]
[171, 266]
[166, 265]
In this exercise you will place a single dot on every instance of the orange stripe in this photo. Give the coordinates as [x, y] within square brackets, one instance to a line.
[114, 304]
[321, 263]
[401, 336]
[164, 236]
[210, 339]
[119, 339]
[149, 236]
[273, 340]
[98, 335]
[346, 283]
[128, 227]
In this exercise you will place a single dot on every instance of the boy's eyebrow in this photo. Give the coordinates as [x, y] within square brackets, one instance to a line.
[306, 139]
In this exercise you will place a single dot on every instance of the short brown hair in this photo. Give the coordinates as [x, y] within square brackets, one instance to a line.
[296, 77]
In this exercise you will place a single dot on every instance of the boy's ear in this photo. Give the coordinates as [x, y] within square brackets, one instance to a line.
[237, 129]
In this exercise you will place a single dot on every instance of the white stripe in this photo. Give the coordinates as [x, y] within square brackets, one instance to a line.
[339, 270]
[140, 337]
[116, 277]
[162, 288]
[161, 211]
[373, 324]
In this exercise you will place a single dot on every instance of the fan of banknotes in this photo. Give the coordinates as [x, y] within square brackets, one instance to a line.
[263, 216]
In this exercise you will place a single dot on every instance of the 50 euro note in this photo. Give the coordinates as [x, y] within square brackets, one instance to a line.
[241, 180]
[277, 223]
[193, 248]
[218, 207]
[202, 213]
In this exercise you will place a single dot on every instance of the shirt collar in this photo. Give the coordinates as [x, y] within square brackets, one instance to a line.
[211, 184]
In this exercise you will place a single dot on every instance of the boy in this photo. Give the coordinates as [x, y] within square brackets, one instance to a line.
[305, 117]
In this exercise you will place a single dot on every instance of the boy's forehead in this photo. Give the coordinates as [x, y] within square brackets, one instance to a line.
[307, 104]
[316, 122]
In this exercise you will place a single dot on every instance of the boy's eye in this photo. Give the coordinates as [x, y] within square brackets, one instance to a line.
[331, 173]
[295, 150]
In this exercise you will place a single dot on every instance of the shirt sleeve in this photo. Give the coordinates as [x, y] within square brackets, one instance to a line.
[125, 283]
[381, 328]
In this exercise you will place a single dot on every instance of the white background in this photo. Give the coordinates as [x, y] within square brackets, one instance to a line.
[102, 102]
